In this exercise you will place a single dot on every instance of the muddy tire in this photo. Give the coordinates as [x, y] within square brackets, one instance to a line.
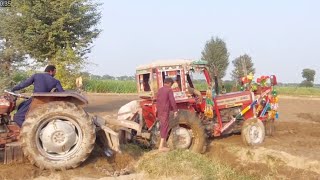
[57, 135]
[253, 132]
[270, 127]
[187, 126]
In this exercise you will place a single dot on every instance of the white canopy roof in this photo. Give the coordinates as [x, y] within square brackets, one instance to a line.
[167, 62]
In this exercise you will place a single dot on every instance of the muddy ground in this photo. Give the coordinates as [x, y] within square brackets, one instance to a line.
[292, 153]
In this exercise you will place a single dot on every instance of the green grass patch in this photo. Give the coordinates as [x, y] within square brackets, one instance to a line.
[299, 91]
[186, 165]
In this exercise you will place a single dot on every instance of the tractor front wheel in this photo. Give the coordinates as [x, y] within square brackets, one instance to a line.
[57, 135]
[253, 132]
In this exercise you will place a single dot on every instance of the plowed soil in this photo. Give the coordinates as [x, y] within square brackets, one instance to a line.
[293, 152]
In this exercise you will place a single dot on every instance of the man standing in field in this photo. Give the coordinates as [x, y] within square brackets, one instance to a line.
[79, 84]
[165, 103]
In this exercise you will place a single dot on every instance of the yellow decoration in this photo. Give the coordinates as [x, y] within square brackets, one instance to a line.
[208, 111]
[272, 114]
[250, 76]
[259, 109]
[274, 100]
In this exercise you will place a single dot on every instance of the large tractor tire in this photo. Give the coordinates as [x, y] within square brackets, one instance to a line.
[58, 135]
[187, 132]
[253, 132]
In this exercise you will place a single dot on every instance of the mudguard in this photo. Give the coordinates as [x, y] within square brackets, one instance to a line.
[43, 98]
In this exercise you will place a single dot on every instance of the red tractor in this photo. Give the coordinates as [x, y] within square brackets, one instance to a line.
[202, 113]
[57, 132]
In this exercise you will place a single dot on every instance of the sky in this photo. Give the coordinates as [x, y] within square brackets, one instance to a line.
[282, 37]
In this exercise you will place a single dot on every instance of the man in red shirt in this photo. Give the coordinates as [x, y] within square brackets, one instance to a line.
[165, 103]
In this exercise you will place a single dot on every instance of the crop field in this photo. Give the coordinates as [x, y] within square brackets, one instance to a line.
[116, 86]
[299, 91]
[110, 86]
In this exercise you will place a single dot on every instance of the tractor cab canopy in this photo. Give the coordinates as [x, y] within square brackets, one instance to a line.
[150, 77]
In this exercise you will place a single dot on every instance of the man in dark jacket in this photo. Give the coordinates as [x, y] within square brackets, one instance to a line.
[42, 82]
[165, 103]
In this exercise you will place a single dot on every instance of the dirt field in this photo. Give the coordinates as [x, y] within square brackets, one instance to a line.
[292, 153]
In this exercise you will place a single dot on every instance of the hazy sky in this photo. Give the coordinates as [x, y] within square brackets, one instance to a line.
[281, 36]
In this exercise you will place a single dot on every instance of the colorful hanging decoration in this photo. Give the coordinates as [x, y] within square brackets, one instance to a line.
[254, 86]
[274, 105]
[208, 111]
[263, 81]
[246, 81]
[261, 106]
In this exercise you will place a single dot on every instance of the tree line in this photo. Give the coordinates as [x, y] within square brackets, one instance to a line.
[87, 75]
[216, 54]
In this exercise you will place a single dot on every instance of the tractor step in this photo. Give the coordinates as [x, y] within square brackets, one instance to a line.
[13, 153]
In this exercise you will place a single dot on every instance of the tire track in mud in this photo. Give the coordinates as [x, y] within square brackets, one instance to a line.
[264, 163]
[270, 156]
[293, 151]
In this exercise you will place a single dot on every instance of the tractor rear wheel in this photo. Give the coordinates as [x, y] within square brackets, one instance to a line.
[58, 135]
[187, 132]
[253, 132]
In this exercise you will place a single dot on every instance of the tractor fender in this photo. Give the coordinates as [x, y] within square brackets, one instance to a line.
[42, 98]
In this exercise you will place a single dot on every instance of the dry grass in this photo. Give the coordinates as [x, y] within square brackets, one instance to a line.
[186, 165]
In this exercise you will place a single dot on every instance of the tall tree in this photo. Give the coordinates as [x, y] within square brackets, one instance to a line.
[309, 75]
[217, 55]
[54, 32]
[10, 60]
[10, 56]
[242, 65]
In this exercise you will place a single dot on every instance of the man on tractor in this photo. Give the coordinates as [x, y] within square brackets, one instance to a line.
[42, 82]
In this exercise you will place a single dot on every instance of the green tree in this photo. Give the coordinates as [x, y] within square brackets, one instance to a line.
[124, 78]
[10, 56]
[306, 83]
[242, 65]
[217, 55]
[10, 60]
[95, 77]
[309, 75]
[108, 77]
[54, 32]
